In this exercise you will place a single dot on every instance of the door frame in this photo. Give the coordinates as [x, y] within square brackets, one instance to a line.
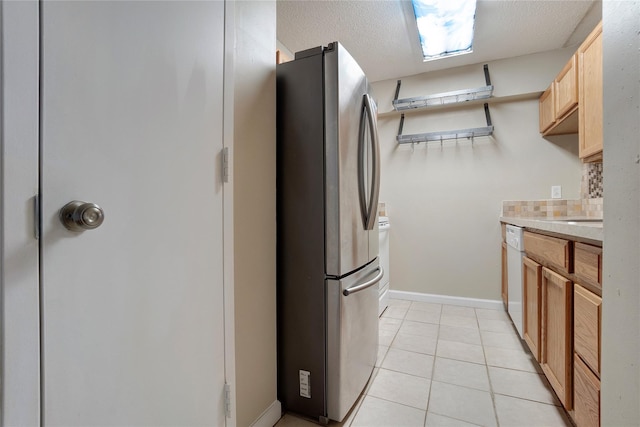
[20, 381]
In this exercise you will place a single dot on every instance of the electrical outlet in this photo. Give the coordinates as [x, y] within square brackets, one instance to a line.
[556, 192]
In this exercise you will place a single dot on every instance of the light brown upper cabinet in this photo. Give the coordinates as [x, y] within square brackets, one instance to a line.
[547, 109]
[573, 101]
[566, 87]
[590, 100]
[559, 103]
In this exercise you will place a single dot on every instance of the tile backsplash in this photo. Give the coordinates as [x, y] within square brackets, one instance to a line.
[589, 205]
[591, 185]
[553, 208]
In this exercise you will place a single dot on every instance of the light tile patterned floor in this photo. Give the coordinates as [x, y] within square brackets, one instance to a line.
[444, 365]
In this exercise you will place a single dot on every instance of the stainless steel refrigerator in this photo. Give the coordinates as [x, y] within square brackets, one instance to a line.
[328, 179]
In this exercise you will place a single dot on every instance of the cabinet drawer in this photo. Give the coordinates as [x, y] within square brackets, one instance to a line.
[549, 250]
[586, 392]
[587, 314]
[587, 263]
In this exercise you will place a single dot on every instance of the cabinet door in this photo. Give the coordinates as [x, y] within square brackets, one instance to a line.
[566, 89]
[505, 292]
[586, 395]
[590, 103]
[556, 358]
[531, 293]
[547, 109]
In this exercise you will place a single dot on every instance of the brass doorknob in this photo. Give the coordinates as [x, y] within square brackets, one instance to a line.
[80, 216]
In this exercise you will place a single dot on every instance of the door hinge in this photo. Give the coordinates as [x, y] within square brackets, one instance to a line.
[36, 216]
[225, 164]
[227, 400]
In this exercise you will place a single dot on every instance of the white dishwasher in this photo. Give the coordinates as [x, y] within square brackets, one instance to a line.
[384, 226]
[515, 252]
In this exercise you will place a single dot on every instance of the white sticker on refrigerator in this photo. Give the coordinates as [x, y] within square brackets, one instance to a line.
[305, 384]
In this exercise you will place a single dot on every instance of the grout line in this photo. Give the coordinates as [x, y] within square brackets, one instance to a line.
[397, 403]
[491, 392]
[433, 368]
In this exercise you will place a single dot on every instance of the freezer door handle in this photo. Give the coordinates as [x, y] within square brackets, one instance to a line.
[365, 285]
[369, 209]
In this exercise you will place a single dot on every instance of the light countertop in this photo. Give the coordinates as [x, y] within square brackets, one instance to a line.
[583, 228]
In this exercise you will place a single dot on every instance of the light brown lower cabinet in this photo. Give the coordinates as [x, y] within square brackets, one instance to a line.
[531, 304]
[556, 357]
[587, 321]
[562, 320]
[586, 389]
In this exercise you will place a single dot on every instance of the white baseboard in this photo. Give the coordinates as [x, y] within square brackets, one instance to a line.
[445, 299]
[270, 416]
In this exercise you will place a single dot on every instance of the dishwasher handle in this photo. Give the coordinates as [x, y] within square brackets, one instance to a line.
[365, 285]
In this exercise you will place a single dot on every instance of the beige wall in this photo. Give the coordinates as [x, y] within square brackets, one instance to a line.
[255, 208]
[621, 270]
[444, 202]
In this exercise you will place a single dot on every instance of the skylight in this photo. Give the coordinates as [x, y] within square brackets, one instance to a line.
[445, 27]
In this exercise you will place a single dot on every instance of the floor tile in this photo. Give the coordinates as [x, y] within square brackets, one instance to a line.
[426, 306]
[525, 385]
[290, 420]
[401, 303]
[460, 321]
[423, 316]
[385, 337]
[496, 325]
[417, 364]
[473, 406]
[378, 412]
[389, 324]
[382, 352]
[374, 374]
[456, 310]
[348, 419]
[435, 420]
[401, 388]
[502, 340]
[395, 312]
[512, 359]
[418, 344]
[484, 313]
[472, 375]
[460, 334]
[445, 365]
[418, 328]
[460, 351]
[522, 413]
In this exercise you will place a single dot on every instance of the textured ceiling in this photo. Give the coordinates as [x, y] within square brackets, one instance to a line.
[381, 35]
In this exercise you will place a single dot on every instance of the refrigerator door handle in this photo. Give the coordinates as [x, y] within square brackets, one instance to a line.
[365, 285]
[369, 209]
